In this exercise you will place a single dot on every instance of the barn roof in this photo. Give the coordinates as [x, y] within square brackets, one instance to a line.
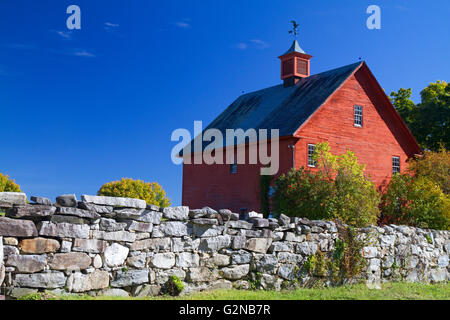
[278, 107]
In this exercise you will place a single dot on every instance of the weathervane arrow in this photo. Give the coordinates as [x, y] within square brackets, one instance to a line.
[294, 30]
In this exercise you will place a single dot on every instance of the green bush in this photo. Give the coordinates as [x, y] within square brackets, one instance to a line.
[416, 201]
[339, 189]
[435, 166]
[8, 185]
[174, 286]
[151, 192]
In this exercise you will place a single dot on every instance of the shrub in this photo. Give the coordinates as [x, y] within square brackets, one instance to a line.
[435, 166]
[151, 192]
[339, 189]
[303, 193]
[8, 185]
[174, 286]
[416, 201]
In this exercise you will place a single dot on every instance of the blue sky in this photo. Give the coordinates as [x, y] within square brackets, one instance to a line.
[80, 108]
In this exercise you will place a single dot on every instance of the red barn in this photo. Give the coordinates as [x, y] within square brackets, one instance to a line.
[345, 107]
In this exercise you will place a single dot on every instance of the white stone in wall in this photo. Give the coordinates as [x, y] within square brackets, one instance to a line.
[287, 271]
[163, 260]
[40, 280]
[97, 261]
[2, 267]
[187, 260]
[174, 228]
[115, 255]
[176, 213]
[130, 278]
[15, 198]
[214, 243]
[124, 236]
[235, 272]
[370, 252]
[64, 230]
[95, 280]
[115, 201]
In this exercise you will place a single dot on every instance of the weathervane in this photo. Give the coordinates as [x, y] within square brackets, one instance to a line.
[294, 30]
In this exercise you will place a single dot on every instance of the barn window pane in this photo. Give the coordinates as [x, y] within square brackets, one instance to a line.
[358, 116]
[233, 168]
[395, 165]
[311, 150]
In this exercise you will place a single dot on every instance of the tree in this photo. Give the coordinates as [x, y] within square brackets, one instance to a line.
[416, 201]
[435, 166]
[429, 121]
[339, 189]
[7, 184]
[151, 192]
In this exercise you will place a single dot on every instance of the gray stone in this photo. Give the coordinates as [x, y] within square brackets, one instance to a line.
[70, 261]
[267, 264]
[18, 293]
[284, 220]
[137, 261]
[439, 275]
[148, 290]
[241, 257]
[41, 200]
[63, 230]
[93, 281]
[287, 257]
[176, 213]
[39, 245]
[260, 222]
[443, 261]
[153, 217]
[205, 221]
[27, 263]
[89, 245]
[307, 248]
[30, 211]
[13, 198]
[68, 219]
[115, 201]
[70, 211]
[281, 246]
[111, 225]
[41, 280]
[174, 228]
[114, 292]
[97, 262]
[152, 244]
[66, 246]
[287, 271]
[220, 260]
[9, 250]
[201, 274]
[10, 241]
[128, 213]
[239, 242]
[239, 224]
[124, 236]
[17, 228]
[130, 278]
[162, 275]
[226, 214]
[235, 272]
[97, 208]
[184, 244]
[370, 252]
[187, 260]
[262, 233]
[115, 255]
[215, 243]
[67, 200]
[258, 244]
[139, 226]
[203, 231]
[163, 260]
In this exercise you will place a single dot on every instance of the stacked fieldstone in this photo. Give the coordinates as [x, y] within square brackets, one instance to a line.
[122, 246]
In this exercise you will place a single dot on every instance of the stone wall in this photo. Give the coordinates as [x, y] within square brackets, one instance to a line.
[121, 246]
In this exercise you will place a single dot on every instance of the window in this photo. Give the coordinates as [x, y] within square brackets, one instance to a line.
[233, 168]
[311, 150]
[358, 116]
[302, 67]
[395, 165]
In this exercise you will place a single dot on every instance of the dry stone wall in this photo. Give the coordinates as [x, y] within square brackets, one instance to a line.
[121, 246]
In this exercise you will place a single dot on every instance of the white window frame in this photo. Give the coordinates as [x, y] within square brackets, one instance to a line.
[395, 164]
[311, 162]
[358, 116]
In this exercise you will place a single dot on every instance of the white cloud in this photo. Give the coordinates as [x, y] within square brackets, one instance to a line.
[66, 35]
[260, 44]
[83, 53]
[182, 24]
[242, 46]
[112, 25]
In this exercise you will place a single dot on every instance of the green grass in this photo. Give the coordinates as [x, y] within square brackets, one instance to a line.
[389, 291]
